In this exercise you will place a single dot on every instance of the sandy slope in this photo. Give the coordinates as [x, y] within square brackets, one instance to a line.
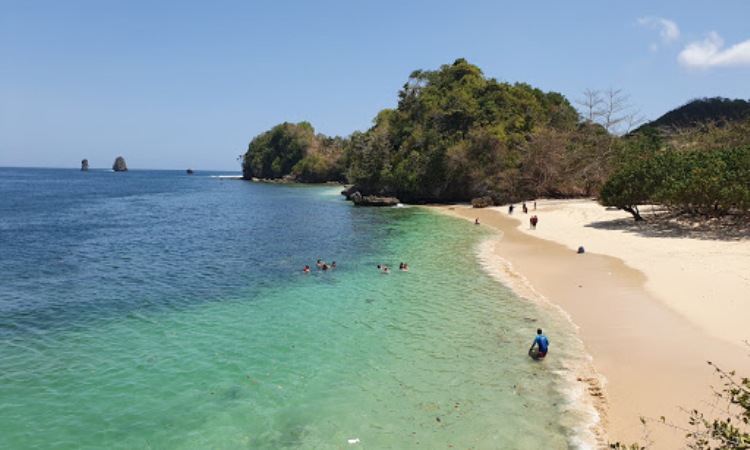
[652, 307]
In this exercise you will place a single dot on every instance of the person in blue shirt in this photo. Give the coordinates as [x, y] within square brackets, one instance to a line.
[542, 344]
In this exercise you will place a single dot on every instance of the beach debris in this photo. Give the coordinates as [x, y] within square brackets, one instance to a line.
[353, 441]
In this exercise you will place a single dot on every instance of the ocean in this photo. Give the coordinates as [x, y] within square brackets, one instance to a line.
[155, 309]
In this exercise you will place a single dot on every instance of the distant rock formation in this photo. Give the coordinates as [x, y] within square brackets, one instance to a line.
[352, 194]
[348, 191]
[119, 165]
[85, 165]
[372, 200]
[482, 202]
[190, 171]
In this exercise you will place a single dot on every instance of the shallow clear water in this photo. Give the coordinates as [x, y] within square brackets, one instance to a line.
[152, 309]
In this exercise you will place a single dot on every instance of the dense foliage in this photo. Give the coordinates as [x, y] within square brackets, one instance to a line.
[294, 149]
[711, 178]
[457, 135]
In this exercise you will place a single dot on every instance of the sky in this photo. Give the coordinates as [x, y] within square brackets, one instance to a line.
[188, 84]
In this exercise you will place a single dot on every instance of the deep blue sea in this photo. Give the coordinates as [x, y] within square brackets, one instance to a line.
[160, 310]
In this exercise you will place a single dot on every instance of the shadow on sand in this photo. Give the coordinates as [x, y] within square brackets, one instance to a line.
[663, 223]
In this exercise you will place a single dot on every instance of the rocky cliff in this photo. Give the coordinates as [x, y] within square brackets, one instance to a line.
[119, 165]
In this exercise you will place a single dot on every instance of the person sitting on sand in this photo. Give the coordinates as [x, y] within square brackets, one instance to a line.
[542, 344]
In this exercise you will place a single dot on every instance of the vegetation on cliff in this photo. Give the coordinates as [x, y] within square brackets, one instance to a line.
[456, 135]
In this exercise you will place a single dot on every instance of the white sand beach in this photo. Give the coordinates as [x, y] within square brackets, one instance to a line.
[652, 306]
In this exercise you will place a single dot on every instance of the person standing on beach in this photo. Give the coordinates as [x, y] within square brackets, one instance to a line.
[542, 344]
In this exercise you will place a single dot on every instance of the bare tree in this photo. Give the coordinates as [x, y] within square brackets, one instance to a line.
[611, 109]
[591, 104]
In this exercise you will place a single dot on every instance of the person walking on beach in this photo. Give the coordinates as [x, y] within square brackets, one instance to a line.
[533, 220]
[542, 344]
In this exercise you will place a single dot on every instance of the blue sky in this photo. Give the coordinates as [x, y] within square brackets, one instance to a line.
[178, 84]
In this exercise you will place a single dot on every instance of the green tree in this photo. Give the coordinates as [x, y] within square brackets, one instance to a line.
[457, 134]
[639, 176]
[274, 153]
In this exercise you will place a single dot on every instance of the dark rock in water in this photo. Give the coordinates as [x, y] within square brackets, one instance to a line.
[85, 165]
[482, 202]
[119, 165]
[372, 200]
[190, 171]
[348, 191]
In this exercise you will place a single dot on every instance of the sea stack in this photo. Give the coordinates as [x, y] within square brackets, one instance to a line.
[85, 165]
[119, 165]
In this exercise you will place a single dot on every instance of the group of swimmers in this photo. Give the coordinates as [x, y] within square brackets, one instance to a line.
[383, 268]
[322, 265]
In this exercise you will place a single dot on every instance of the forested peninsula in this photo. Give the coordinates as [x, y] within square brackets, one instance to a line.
[458, 136]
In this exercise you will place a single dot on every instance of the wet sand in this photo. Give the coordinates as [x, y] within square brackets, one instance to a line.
[650, 311]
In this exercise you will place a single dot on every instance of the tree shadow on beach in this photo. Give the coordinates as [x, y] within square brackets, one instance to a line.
[663, 223]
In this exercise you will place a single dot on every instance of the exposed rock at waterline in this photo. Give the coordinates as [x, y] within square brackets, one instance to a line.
[372, 200]
[119, 165]
[482, 202]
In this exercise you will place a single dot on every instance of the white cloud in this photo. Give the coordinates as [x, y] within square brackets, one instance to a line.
[668, 30]
[709, 53]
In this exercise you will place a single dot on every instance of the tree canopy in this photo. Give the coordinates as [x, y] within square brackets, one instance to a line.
[456, 135]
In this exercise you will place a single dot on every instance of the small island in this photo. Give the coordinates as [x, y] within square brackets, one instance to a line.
[119, 165]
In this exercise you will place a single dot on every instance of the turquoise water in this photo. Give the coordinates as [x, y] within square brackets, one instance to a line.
[152, 309]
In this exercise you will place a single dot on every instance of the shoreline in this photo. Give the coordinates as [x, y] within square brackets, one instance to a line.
[650, 311]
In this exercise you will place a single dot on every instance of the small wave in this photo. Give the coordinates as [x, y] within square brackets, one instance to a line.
[581, 385]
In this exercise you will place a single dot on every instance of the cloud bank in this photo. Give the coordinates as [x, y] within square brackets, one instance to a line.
[710, 53]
